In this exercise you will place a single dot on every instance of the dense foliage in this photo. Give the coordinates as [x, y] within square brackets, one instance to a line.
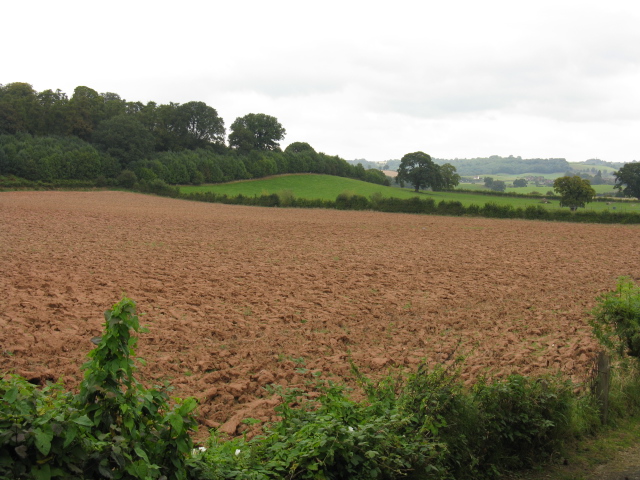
[509, 165]
[496, 185]
[574, 191]
[419, 170]
[616, 320]
[46, 136]
[427, 425]
[628, 180]
[115, 428]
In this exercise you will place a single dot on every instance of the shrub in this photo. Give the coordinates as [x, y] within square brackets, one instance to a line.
[616, 320]
[42, 432]
[286, 198]
[328, 436]
[127, 179]
[452, 207]
[493, 210]
[349, 201]
[114, 428]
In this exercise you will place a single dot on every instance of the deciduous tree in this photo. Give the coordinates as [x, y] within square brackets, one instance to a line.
[574, 191]
[450, 179]
[419, 170]
[256, 131]
[498, 186]
[520, 182]
[628, 180]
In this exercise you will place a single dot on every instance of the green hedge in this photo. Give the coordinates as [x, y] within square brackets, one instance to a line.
[346, 201]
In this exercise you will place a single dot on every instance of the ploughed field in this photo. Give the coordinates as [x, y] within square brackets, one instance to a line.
[237, 298]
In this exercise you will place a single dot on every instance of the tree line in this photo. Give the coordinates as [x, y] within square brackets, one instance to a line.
[496, 164]
[47, 136]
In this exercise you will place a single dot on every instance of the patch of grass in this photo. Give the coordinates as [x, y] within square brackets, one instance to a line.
[324, 187]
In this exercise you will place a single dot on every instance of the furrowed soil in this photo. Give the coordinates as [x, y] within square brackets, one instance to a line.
[237, 298]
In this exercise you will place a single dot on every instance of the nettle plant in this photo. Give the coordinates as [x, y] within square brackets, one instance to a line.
[114, 428]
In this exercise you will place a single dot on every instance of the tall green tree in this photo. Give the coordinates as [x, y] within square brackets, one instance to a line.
[574, 191]
[53, 108]
[256, 131]
[419, 170]
[113, 104]
[628, 180]
[188, 126]
[299, 147]
[202, 125]
[450, 179]
[18, 108]
[86, 110]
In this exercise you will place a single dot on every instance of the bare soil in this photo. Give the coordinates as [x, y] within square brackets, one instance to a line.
[237, 298]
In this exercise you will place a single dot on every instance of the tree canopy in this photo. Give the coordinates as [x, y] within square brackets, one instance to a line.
[520, 182]
[419, 170]
[256, 131]
[124, 138]
[628, 180]
[574, 191]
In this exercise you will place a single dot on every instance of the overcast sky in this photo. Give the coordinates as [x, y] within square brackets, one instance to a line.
[359, 79]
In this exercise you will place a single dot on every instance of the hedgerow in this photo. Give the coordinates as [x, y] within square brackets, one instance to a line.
[346, 201]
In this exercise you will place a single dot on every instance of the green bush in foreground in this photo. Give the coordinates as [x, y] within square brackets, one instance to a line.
[616, 321]
[114, 428]
[425, 426]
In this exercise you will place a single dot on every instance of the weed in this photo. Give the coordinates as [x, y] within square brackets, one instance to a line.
[114, 428]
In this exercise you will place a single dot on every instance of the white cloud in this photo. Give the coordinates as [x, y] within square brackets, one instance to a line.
[359, 79]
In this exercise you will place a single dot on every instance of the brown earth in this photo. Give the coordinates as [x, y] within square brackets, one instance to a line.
[237, 298]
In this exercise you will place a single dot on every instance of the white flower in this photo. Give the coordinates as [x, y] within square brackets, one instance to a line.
[351, 429]
[238, 451]
[198, 450]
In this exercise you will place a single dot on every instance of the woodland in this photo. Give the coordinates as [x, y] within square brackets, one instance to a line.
[47, 136]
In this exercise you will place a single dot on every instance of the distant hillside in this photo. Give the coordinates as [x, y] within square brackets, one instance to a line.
[507, 165]
[603, 163]
[486, 166]
[496, 165]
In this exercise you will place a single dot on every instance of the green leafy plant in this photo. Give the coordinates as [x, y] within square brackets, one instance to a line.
[115, 428]
[42, 432]
[148, 438]
[616, 320]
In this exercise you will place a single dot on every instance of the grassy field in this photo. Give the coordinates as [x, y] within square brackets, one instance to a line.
[602, 189]
[328, 187]
[325, 187]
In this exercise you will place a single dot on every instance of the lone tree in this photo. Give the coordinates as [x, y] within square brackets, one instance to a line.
[520, 182]
[574, 191]
[628, 180]
[498, 186]
[419, 170]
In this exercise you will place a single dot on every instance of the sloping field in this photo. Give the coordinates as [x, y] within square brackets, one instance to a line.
[240, 297]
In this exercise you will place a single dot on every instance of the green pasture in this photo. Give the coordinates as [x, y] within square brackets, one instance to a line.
[531, 188]
[327, 187]
[324, 187]
[469, 198]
